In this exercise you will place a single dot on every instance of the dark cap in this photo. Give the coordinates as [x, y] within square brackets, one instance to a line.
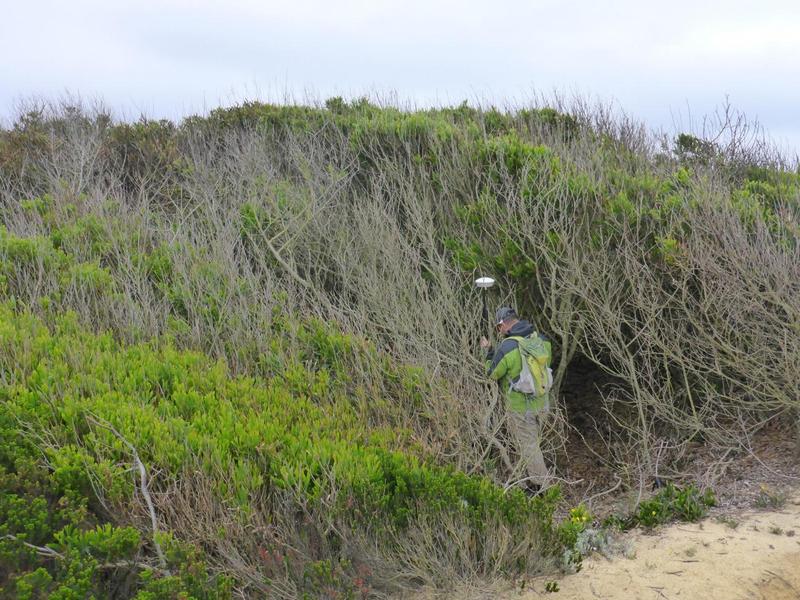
[504, 313]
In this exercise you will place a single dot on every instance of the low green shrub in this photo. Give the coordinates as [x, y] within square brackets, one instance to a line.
[81, 401]
[671, 503]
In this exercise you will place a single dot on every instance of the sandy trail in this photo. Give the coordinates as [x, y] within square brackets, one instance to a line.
[759, 558]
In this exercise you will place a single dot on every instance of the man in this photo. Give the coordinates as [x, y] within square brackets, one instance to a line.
[524, 410]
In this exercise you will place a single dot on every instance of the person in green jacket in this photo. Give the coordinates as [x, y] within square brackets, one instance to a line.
[525, 411]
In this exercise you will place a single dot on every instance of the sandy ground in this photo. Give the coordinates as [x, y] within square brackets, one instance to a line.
[751, 554]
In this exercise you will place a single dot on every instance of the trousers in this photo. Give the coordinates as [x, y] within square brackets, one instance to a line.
[525, 431]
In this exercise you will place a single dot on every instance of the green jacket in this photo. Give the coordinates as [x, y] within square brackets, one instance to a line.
[505, 365]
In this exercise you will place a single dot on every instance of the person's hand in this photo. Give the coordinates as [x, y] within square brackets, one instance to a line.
[485, 344]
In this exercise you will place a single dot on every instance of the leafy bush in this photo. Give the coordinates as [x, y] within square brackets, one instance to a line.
[182, 411]
[671, 503]
[296, 280]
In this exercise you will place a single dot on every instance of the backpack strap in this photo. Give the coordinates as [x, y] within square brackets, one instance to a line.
[519, 338]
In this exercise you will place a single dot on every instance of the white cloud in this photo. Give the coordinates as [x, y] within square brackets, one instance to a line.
[176, 56]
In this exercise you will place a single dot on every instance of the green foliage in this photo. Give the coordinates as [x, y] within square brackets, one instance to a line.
[158, 265]
[145, 145]
[50, 509]
[189, 576]
[691, 149]
[85, 238]
[89, 275]
[517, 157]
[321, 405]
[26, 260]
[669, 250]
[42, 206]
[21, 252]
[669, 504]
[183, 412]
[29, 135]
[769, 498]
[579, 519]
[570, 533]
[258, 114]
[551, 587]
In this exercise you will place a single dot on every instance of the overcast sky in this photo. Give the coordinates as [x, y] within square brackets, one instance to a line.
[658, 61]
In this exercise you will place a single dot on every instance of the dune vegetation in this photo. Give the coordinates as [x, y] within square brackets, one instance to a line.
[239, 353]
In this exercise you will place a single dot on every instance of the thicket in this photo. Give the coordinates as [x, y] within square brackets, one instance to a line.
[281, 483]
[323, 256]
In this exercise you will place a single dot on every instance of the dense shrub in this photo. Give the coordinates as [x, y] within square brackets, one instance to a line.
[310, 267]
[85, 401]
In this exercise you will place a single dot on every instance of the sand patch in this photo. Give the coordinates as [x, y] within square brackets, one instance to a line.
[750, 555]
